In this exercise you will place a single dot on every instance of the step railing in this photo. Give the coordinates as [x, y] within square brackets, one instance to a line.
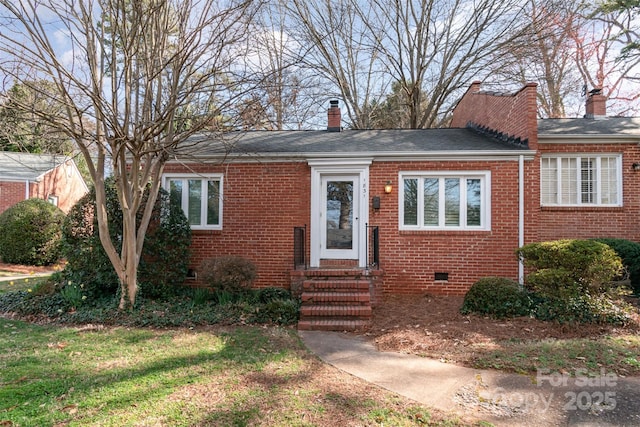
[373, 246]
[299, 248]
[300, 251]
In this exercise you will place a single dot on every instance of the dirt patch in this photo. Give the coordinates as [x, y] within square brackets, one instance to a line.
[432, 326]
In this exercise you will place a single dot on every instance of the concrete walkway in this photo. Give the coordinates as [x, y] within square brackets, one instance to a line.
[545, 399]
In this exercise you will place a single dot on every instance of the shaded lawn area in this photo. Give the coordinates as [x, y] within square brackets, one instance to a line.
[23, 284]
[234, 376]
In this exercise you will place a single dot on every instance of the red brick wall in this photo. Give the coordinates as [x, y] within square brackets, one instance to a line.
[588, 222]
[11, 193]
[513, 114]
[263, 202]
[410, 259]
[63, 181]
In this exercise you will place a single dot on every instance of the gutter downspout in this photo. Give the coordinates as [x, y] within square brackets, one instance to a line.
[521, 217]
[26, 194]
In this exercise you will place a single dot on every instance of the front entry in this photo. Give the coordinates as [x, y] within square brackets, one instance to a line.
[339, 211]
[338, 215]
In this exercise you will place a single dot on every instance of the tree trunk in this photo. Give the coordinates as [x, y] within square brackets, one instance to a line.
[129, 273]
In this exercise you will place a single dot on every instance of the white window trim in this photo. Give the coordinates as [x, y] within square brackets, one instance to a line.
[578, 157]
[485, 200]
[202, 177]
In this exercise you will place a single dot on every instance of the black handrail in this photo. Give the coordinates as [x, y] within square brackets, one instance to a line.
[299, 248]
[373, 246]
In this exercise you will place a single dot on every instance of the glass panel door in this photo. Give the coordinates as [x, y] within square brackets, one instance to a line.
[340, 207]
[339, 220]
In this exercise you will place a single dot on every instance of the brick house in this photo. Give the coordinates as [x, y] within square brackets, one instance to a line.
[45, 176]
[369, 212]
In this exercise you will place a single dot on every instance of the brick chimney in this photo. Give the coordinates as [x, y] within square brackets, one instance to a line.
[596, 104]
[334, 117]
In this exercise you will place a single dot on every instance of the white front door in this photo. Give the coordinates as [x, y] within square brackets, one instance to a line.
[339, 210]
[339, 216]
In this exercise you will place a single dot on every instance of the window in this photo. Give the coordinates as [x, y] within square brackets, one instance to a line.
[581, 180]
[200, 198]
[445, 201]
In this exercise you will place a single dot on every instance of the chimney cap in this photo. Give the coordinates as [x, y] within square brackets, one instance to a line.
[595, 91]
[334, 102]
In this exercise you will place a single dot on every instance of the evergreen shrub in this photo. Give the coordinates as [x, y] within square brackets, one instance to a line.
[497, 297]
[165, 254]
[30, 233]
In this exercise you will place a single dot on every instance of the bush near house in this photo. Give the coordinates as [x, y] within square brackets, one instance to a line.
[497, 297]
[30, 233]
[569, 281]
[165, 255]
[228, 273]
[570, 268]
[629, 252]
[574, 281]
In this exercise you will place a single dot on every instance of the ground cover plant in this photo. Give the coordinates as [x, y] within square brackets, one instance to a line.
[236, 376]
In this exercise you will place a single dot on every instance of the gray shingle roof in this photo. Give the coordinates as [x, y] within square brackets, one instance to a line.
[353, 141]
[25, 166]
[627, 126]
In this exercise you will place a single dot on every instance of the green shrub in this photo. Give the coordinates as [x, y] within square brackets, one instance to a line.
[629, 252]
[228, 273]
[573, 281]
[30, 233]
[497, 297]
[570, 268]
[586, 309]
[165, 254]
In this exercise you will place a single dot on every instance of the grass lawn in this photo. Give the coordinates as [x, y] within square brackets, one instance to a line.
[235, 376]
[17, 285]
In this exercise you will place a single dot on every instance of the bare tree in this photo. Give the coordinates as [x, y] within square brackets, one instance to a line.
[148, 74]
[546, 54]
[569, 46]
[420, 52]
[285, 97]
[433, 48]
[604, 56]
[335, 43]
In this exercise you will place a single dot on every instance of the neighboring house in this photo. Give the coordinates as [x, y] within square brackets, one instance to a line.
[44, 176]
[368, 212]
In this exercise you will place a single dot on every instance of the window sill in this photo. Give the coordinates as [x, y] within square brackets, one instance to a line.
[443, 232]
[582, 208]
[206, 230]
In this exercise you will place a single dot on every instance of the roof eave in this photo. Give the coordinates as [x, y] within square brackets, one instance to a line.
[377, 156]
[587, 139]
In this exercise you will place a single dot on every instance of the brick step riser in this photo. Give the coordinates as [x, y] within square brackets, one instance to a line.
[335, 285]
[335, 310]
[333, 325]
[336, 297]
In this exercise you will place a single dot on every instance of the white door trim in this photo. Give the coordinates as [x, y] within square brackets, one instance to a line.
[323, 167]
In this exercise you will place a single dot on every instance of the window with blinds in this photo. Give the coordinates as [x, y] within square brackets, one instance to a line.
[581, 180]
